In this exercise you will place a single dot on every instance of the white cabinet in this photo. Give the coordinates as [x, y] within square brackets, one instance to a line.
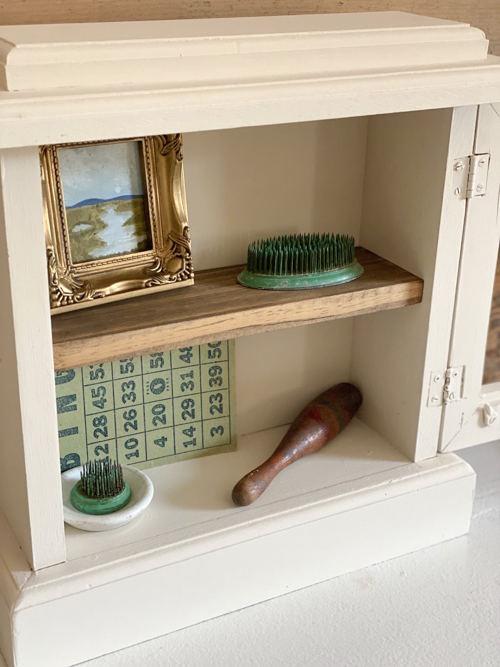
[376, 125]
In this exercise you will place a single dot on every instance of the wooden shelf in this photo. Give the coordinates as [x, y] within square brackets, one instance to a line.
[217, 307]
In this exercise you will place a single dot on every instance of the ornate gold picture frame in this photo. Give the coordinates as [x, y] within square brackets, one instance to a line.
[115, 219]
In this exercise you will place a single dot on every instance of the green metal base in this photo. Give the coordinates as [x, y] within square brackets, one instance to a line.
[88, 505]
[307, 281]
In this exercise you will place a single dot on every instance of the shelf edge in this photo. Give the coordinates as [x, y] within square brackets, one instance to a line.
[172, 336]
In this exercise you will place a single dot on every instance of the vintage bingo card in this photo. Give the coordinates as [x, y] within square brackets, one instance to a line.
[150, 410]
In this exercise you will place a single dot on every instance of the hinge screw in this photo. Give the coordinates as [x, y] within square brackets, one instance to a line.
[455, 374]
[437, 378]
[479, 187]
[459, 166]
[457, 191]
[435, 399]
[482, 162]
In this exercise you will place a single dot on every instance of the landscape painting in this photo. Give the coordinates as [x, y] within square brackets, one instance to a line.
[104, 198]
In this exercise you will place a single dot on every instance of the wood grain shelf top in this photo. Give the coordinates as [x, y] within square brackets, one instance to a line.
[216, 307]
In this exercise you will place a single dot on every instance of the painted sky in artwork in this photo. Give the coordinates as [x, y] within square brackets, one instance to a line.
[100, 172]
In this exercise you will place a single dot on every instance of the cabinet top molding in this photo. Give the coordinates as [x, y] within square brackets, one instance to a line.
[81, 82]
[205, 51]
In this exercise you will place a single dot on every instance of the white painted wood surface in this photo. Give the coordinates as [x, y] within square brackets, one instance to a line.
[188, 53]
[358, 501]
[442, 73]
[29, 461]
[78, 114]
[464, 422]
[15, 571]
[411, 217]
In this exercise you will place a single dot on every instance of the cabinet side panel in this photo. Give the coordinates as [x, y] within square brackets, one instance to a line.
[30, 492]
[412, 218]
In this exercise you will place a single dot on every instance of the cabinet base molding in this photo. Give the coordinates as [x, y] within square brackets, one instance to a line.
[234, 558]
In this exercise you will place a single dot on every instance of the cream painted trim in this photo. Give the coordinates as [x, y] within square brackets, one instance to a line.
[220, 51]
[68, 115]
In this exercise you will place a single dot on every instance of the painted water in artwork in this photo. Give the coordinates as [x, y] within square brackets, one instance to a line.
[104, 197]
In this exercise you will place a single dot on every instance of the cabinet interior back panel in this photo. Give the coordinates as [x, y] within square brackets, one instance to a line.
[278, 372]
[252, 183]
[255, 182]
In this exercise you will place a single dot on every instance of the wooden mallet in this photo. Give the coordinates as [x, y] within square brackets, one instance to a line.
[319, 422]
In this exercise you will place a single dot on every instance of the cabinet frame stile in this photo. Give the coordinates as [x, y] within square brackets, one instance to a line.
[30, 482]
